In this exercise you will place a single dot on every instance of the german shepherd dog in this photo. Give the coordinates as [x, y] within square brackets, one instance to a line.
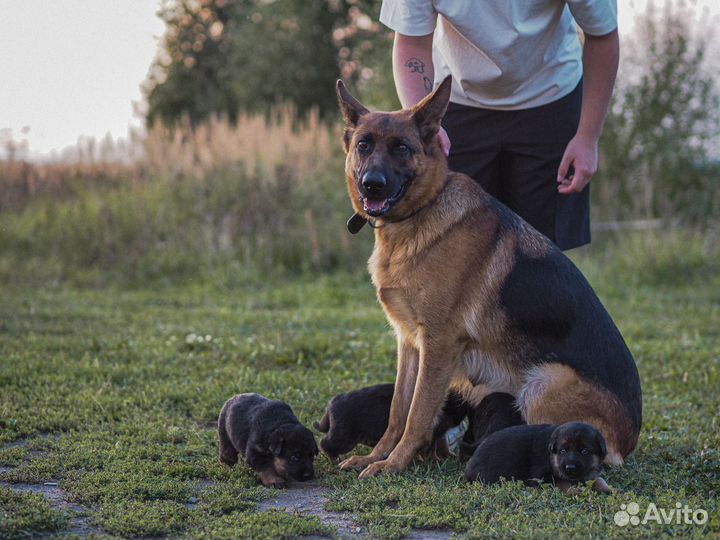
[480, 301]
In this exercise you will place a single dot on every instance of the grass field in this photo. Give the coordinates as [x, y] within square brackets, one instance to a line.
[113, 393]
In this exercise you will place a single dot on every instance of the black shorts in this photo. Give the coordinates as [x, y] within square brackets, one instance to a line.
[515, 156]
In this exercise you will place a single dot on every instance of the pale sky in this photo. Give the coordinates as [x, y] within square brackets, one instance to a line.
[74, 67]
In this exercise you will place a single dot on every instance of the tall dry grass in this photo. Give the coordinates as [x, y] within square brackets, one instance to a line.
[265, 194]
[255, 142]
[22, 182]
[258, 142]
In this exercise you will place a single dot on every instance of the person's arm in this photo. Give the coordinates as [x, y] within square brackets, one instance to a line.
[600, 62]
[414, 73]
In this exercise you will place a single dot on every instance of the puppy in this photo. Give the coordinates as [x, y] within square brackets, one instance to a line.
[361, 417]
[495, 412]
[270, 438]
[565, 455]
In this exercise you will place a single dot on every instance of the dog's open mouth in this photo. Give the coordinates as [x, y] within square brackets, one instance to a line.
[380, 207]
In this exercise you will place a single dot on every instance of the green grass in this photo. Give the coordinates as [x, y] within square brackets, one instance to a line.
[115, 392]
[24, 514]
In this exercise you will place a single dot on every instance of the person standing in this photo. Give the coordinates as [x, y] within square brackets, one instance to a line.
[528, 100]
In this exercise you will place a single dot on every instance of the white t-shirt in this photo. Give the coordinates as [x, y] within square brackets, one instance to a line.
[504, 54]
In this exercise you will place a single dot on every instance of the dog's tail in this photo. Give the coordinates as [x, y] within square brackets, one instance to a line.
[323, 426]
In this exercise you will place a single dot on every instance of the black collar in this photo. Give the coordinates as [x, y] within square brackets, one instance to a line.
[357, 222]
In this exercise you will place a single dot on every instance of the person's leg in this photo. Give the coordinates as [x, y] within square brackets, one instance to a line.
[475, 144]
[529, 161]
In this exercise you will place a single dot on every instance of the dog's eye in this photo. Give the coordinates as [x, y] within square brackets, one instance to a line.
[402, 149]
[563, 450]
[584, 451]
[363, 146]
[295, 457]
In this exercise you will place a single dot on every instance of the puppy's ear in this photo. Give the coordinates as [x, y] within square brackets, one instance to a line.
[275, 442]
[430, 111]
[601, 443]
[316, 450]
[552, 444]
[467, 449]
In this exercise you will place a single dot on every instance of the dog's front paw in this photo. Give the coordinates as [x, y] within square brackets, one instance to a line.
[357, 462]
[380, 467]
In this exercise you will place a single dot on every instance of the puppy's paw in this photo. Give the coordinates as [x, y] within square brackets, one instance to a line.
[380, 467]
[601, 486]
[439, 450]
[567, 488]
[228, 459]
[271, 479]
[357, 462]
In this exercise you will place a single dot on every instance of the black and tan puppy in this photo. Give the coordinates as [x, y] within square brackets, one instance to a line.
[565, 455]
[495, 412]
[361, 417]
[480, 302]
[270, 438]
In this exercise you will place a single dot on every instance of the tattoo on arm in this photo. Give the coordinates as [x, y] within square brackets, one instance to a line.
[415, 65]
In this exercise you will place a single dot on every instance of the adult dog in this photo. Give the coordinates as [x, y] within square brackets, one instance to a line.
[480, 302]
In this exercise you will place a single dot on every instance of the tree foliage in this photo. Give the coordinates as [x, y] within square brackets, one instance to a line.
[657, 143]
[223, 56]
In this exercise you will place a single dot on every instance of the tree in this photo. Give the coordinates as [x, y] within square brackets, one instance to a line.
[657, 137]
[223, 56]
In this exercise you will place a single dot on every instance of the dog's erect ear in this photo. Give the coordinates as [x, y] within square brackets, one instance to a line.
[275, 442]
[352, 110]
[430, 111]
[350, 107]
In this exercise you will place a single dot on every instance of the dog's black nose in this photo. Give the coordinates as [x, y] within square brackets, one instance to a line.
[570, 468]
[373, 180]
[307, 475]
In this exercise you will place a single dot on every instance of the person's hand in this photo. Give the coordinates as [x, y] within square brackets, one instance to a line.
[444, 141]
[582, 155]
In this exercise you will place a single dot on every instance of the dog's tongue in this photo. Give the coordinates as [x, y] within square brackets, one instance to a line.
[374, 205]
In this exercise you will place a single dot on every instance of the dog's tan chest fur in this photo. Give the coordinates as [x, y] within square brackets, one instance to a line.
[400, 297]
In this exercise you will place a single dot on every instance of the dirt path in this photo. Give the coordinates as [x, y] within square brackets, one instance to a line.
[79, 524]
[309, 499]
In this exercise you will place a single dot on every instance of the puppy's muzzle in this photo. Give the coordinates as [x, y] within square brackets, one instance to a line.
[571, 470]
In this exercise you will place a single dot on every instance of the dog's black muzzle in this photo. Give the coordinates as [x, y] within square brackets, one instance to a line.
[373, 183]
[378, 192]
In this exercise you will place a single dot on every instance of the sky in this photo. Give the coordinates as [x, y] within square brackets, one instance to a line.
[74, 67]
